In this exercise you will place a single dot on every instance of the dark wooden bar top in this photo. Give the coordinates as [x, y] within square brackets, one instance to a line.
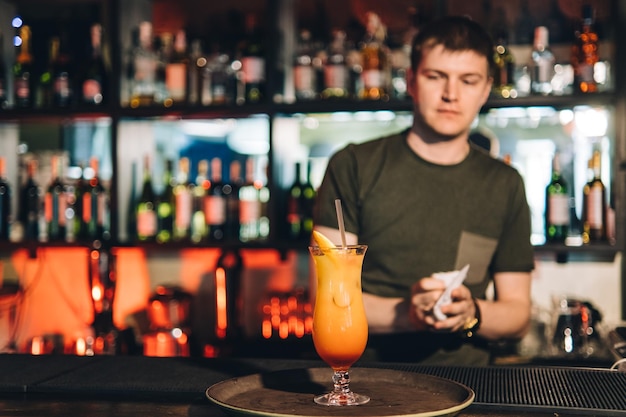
[124, 386]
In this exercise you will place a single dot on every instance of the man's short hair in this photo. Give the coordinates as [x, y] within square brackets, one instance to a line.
[455, 33]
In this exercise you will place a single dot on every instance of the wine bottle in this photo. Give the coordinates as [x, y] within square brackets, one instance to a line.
[23, 74]
[228, 306]
[218, 83]
[307, 200]
[94, 205]
[503, 82]
[165, 207]
[335, 68]
[62, 77]
[197, 63]
[304, 72]
[5, 202]
[183, 194]
[557, 214]
[94, 81]
[249, 206]
[231, 193]
[594, 204]
[55, 202]
[76, 189]
[542, 63]
[293, 209]
[585, 53]
[199, 230]
[374, 58]
[146, 207]
[252, 56]
[143, 77]
[30, 203]
[176, 70]
[215, 203]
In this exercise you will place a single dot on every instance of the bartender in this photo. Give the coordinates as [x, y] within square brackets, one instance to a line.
[427, 201]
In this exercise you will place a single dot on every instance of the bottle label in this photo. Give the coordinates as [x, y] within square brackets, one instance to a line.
[249, 211]
[253, 68]
[183, 208]
[102, 209]
[372, 78]
[335, 76]
[146, 223]
[55, 207]
[303, 78]
[176, 80]
[62, 85]
[92, 91]
[86, 207]
[215, 209]
[595, 208]
[22, 89]
[559, 210]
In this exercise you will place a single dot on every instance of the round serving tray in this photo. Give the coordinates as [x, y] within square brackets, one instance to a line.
[290, 393]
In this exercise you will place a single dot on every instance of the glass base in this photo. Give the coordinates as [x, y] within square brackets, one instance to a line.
[341, 398]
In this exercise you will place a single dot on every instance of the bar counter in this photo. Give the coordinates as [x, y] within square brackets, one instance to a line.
[121, 386]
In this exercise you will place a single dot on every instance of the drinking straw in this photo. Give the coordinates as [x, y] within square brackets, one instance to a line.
[342, 228]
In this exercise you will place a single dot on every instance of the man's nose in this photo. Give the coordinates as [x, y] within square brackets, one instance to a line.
[450, 92]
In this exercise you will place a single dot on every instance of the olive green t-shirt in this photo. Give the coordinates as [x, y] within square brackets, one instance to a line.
[418, 218]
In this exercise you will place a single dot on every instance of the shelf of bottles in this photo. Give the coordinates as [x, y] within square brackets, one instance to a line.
[221, 138]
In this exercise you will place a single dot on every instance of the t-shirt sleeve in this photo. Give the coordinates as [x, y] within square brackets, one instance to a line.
[515, 251]
[340, 182]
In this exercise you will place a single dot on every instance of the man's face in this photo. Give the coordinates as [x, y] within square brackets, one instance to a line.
[448, 89]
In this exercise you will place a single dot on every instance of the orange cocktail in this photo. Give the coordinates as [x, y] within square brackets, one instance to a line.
[339, 322]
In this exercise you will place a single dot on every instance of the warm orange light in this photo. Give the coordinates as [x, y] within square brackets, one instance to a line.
[97, 292]
[36, 345]
[220, 300]
[266, 329]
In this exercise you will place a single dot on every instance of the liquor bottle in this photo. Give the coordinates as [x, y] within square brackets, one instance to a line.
[231, 193]
[304, 72]
[176, 70]
[249, 206]
[293, 209]
[144, 60]
[228, 310]
[252, 56]
[62, 76]
[183, 194]
[4, 98]
[542, 63]
[374, 59]
[5, 202]
[335, 68]
[165, 207]
[76, 188]
[146, 207]
[23, 75]
[44, 94]
[199, 230]
[594, 204]
[218, 81]
[30, 203]
[94, 80]
[197, 63]
[215, 203]
[55, 202]
[94, 205]
[307, 201]
[557, 214]
[503, 82]
[585, 53]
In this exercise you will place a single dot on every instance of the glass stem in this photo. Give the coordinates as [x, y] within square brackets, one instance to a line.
[341, 380]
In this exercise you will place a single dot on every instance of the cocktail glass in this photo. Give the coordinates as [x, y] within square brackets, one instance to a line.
[339, 322]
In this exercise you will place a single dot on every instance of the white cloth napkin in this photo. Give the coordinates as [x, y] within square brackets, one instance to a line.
[452, 279]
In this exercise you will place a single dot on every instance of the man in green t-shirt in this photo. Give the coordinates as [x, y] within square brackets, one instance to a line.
[427, 201]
